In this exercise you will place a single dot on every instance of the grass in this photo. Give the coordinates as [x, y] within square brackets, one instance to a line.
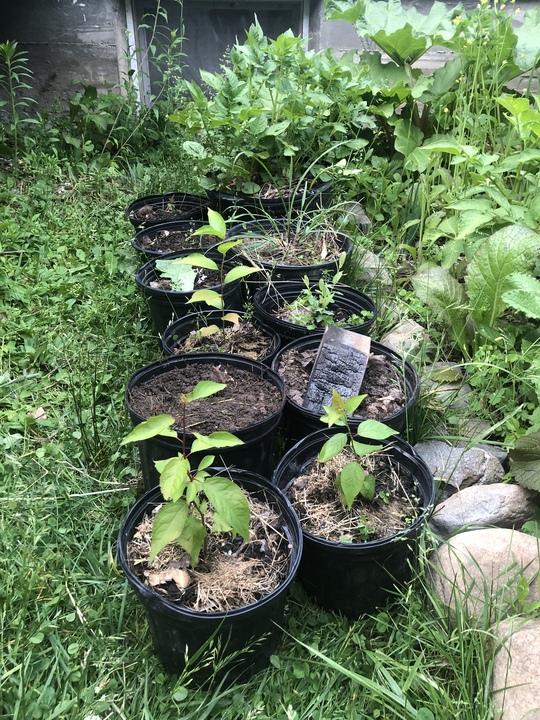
[75, 642]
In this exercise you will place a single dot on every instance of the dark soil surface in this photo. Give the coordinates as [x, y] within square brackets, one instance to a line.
[231, 573]
[381, 383]
[153, 213]
[316, 500]
[241, 339]
[247, 398]
[169, 241]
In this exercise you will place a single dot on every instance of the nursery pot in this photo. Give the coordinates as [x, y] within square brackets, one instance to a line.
[356, 578]
[257, 451]
[301, 421]
[156, 209]
[239, 205]
[271, 298]
[178, 331]
[167, 305]
[149, 240]
[182, 637]
[255, 233]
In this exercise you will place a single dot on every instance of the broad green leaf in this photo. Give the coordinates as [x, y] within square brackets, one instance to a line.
[219, 439]
[445, 296]
[238, 272]
[182, 276]
[350, 482]
[192, 538]
[332, 447]
[510, 250]
[195, 259]
[219, 524]
[230, 502]
[407, 137]
[209, 297]
[157, 425]
[224, 247]
[333, 416]
[204, 389]
[337, 401]
[352, 403]
[527, 49]
[206, 462]
[193, 489]
[168, 525]
[217, 223]
[173, 478]
[523, 294]
[232, 317]
[375, 430]
[362, 449]
[194, 149]
[514, 105]
[525, 461]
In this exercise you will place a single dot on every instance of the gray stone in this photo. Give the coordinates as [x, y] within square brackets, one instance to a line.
[457, 468]
[354, 213]
[406, 338]
[500, 505]
[370, 272]
[478, 571]
[515, 686]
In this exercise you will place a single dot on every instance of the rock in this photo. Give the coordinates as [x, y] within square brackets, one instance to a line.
[457, 468]
[501, 505]
[406, 338]
[479, 570]
[370, 272]
[354, 213]
[515, 687]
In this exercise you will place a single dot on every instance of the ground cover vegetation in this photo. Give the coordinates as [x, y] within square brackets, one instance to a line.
[445, 164]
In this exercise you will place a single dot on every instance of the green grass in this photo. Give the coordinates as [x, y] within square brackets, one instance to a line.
[74, 638]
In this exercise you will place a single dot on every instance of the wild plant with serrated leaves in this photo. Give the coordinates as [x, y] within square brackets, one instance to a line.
[197, 503]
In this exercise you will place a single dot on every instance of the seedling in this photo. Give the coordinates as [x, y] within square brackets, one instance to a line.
[182, 275]
[353, 480]
[197, 503]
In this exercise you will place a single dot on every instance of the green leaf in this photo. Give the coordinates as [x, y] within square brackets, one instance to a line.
[194, 259]
[219, 439]
[192, 538]
[362, 449]
[182, 277]
[352, 403]
[407, 137]
[523, 294]
[168, 525]
[204, 389]
[510, 250]
[527, 49]
[238, 272]
[157, 425]
[230, 502]
[209, 297]
[332, 447]
[173, 478]
[217, 223]
[525, 461]
[192, 148]
[350, 482]
[224, 247]
[206, 462]
[375, 430]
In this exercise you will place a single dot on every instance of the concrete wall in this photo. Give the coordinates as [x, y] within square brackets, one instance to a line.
[68, 42]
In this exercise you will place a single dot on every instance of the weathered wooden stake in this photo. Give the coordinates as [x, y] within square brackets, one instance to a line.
[340, 364]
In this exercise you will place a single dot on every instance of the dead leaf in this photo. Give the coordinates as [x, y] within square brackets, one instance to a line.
[180, 577]
[38, 414]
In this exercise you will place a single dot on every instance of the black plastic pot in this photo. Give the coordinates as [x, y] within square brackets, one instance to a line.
[357, 578]
[149, 251]
[168, 305]
[177, 332]
[271, 298]
[250, 634]
[302, 422]
[250, 206]
[257, 452]
[255, 232]
[175, 206]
